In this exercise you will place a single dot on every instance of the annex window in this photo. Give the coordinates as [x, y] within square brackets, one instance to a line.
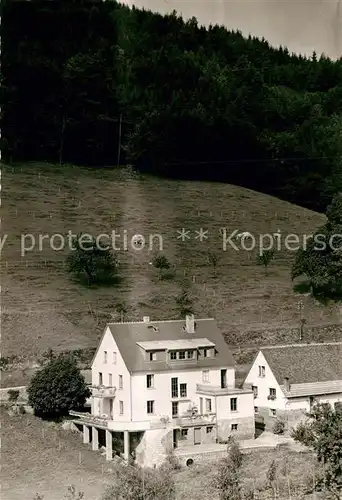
[150, 407]
[233, 404]
[234, 427]
[208, 405]
[149, 381]
[175, 408]
[184, 432]
[174, 387]
[183, 390]
[121, 407]
[209, 429]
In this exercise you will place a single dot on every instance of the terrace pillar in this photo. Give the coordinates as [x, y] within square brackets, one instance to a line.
[95, 439]
[126, 445]
[86, 434]
[109, 445]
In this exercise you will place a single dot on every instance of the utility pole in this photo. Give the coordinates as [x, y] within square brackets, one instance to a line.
[119, 142]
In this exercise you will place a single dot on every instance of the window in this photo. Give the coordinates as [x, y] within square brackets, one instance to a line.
[110, 380]
[234, 427]
[256, 409]
[273, 412]
[261, 371]
[149, 381]
[150, 407]
[105, 356]
[273, 393]
[114, 358]
[174, 387]
[184, 432]
[255, 391]
[205, 375]
[233, 404]
[121, 408]
[204, 353]
[173, 355]
[208, 405]
[153, 356]
[175, 408]
[181, 354]
[182, 390]
[120, 382]
[190, 354]
[209, 429]
[100, 379]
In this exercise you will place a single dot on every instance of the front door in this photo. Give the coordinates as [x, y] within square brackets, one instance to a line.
[197, 435]
[175, 435]
[223, 379]
[111, 408]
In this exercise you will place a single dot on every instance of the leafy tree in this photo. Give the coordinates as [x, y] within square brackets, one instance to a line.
[323, 433]
[161, 262]
[321, 261]
[185, 303]
[57, 388]
[265, 258]
[226, 480]
[91, 259]
[135, 483]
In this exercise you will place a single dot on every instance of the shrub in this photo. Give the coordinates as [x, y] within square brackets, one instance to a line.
[278, 426]
[57, 388]
[161, 262]
[135, 483]
[235, 454]
[13, 395]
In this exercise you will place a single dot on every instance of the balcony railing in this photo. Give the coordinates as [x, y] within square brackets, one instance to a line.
[103, 391]
[87, 418]
[216, 390]
[188, 420]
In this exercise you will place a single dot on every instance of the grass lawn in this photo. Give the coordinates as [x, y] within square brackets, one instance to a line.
[41, 457]
[42, 308]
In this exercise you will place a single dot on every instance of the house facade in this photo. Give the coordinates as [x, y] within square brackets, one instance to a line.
[164, 385]
[288, 380]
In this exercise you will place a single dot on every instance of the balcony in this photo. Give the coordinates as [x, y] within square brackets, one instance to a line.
[87, 418]
[194, 420]
[216, 390]
[102, 391]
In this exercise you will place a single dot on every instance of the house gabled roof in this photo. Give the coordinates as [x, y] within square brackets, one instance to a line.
[305, 363]
[128, 335]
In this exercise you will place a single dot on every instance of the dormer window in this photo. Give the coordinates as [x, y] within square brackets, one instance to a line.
[181, 354]
[190, 354]
[205, 351]
[153, 356]
[173, 355]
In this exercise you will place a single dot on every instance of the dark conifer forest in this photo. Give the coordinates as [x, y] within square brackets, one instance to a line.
[99, 84]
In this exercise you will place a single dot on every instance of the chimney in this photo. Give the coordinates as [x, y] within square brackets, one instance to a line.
[287, 384]
[146, 319]
[190, 323]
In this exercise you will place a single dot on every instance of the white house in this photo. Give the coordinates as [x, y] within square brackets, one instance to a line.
[287, 380]
[165, 384]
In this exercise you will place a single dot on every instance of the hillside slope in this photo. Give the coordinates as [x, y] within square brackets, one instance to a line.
[43, 308]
